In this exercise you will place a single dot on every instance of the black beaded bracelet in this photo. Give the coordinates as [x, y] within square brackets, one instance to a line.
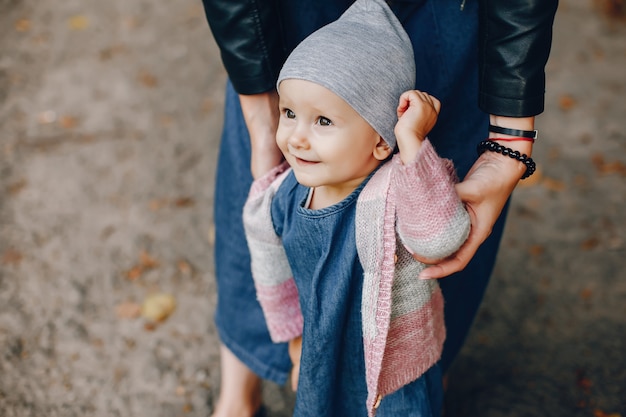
[513, 132]
[487, 145]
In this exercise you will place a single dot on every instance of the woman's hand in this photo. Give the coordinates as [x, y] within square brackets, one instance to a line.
[295, 352]
[260, 112]
[485, 190]
[417, 114]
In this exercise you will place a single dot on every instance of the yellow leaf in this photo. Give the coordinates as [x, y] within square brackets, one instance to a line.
[78, 22]
[157, 307]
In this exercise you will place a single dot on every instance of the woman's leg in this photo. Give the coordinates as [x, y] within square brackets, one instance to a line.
[248, 353]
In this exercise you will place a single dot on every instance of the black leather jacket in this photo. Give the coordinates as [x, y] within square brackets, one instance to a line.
[514, 44]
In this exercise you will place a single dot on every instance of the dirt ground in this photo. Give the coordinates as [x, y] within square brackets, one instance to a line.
[110, 114]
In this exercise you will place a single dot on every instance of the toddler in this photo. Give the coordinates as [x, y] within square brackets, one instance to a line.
[336, 230]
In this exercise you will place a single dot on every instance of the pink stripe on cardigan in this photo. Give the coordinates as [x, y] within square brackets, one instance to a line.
[419, 204]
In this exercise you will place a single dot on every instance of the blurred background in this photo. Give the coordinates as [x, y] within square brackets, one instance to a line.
[110, 115]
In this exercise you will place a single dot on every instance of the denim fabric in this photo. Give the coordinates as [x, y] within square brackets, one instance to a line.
[238, 317]
[321, 248]
[445, 44]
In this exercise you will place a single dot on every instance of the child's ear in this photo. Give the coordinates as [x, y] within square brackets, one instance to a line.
[382, 149]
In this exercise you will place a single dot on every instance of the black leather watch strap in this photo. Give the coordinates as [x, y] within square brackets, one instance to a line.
[513, 132]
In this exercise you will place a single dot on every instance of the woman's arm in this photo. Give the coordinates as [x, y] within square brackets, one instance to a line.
[260, 112]
[248, 34]
[249, 37]
[515, 42]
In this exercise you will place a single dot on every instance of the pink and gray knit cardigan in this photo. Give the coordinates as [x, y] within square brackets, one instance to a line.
[403, 210]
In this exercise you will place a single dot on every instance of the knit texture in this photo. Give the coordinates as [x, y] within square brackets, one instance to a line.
[273, 280]
[403, 210]
[420, 213]
[365, 57]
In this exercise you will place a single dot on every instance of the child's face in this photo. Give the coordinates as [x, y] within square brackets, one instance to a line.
[326, 142]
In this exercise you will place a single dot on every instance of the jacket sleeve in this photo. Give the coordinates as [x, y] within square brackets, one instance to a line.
[514, 44]
[275, 286]
[249, 37]
[431, 219]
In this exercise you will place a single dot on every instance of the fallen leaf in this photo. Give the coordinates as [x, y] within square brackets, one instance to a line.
[147, 261]
[23, 25]
[147, 79]
[184, 202]
[157, 307]
[615, 167]
[184, 267]
[134, 273]
[68, 122]
[553, 184]
[16, 187]
[128, 310]
[567, 102]
[604, 167]
[12, 257]
[78, 22]
[536, 250]
[613, 9]
[581, 181]
[166, 120]
[586, 294]
[554, 153]
[111, 51]
[590, 243]
[582, 381]
[130, 22]
[600, 413]
[158, 204]
[208, 105]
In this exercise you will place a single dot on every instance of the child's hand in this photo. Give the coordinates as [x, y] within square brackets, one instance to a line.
[417, 114]
[295, 351]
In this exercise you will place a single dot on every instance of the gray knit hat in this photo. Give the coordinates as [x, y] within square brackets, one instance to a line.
[365, 57]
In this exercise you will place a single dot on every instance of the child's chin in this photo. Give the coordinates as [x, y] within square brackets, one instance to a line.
[304, 180]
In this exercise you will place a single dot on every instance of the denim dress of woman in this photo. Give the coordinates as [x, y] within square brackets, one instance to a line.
[444, 38]
[321, 248]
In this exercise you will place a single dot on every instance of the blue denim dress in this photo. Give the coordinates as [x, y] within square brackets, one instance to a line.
[444, 37]
[321, 248]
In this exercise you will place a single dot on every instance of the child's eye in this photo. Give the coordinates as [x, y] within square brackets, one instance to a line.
[324, 121]
[289, 114]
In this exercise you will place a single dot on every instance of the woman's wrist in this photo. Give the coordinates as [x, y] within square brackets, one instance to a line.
[518, 123]
[511, 167]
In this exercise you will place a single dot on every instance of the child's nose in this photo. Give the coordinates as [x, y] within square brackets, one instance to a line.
[298, 138]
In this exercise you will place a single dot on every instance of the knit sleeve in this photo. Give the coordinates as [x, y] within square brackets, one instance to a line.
[275, 286]
[431, 219]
